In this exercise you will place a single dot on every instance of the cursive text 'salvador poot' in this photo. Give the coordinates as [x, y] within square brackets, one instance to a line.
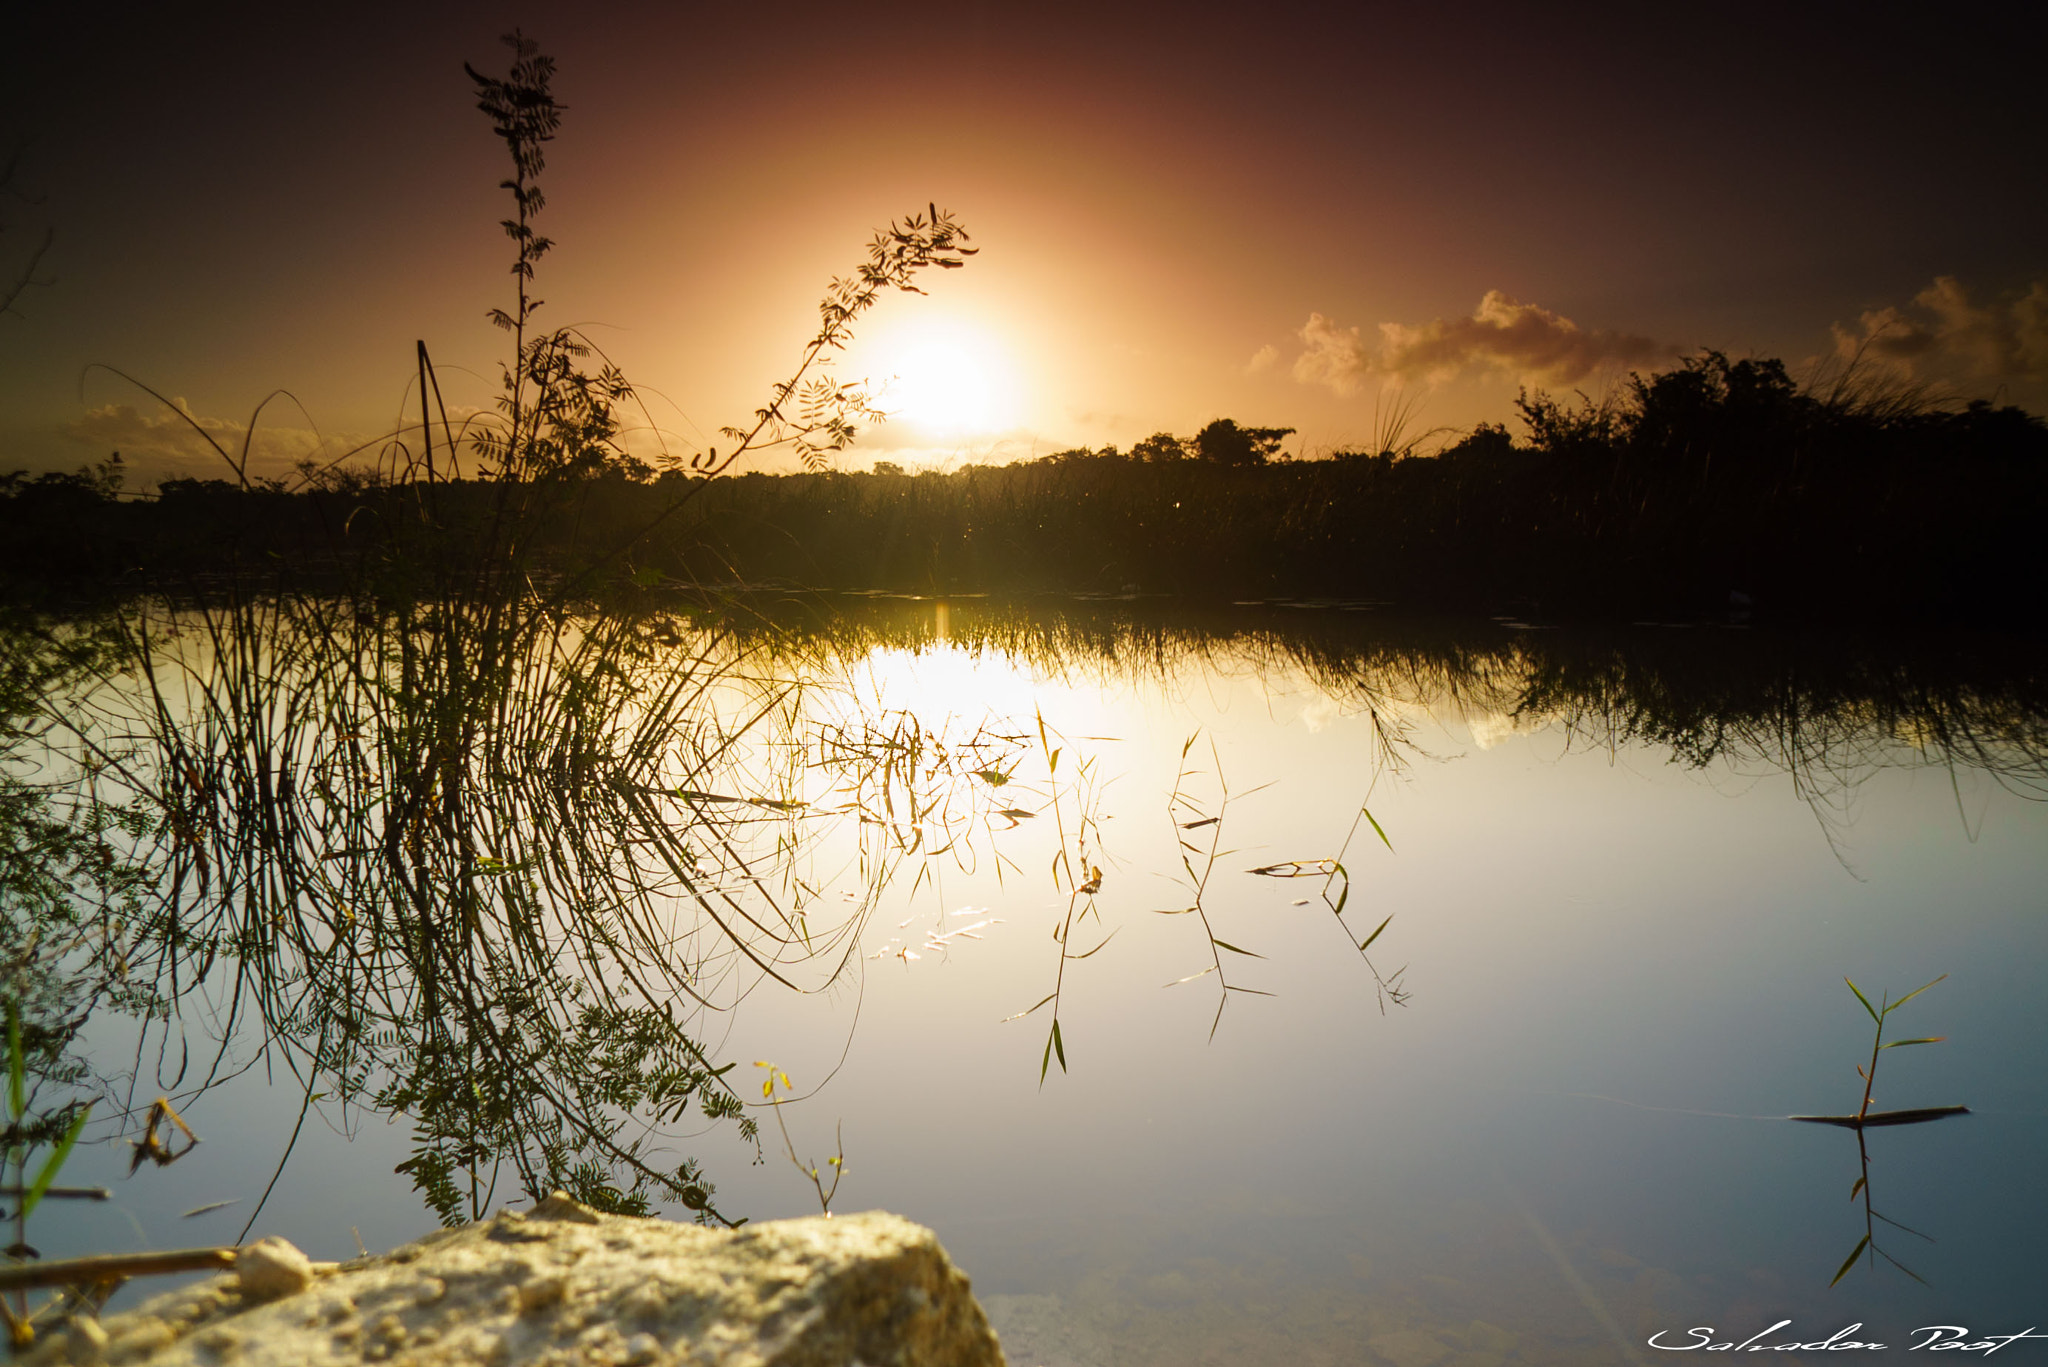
[1930, 1337]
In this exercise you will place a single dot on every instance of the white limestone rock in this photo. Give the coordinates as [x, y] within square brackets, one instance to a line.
[567, 1287]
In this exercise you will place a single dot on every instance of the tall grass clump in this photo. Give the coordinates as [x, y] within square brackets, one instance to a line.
[465, 826]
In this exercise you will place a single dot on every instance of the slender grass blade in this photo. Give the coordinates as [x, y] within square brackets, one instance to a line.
[1910, 995]
[34, 1195]
[1850, 1262]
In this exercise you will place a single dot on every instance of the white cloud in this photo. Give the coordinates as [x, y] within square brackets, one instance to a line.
[175, 444]
[1333, 356]
[1502, 334]
[1262, 360]
[1945, 331]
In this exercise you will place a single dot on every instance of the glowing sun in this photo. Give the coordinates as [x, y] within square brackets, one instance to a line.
[948, 380]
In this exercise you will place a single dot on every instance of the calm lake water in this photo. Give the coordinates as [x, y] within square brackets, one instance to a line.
[1540, 1120]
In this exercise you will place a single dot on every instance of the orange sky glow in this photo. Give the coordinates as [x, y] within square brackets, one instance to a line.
[1183, 214]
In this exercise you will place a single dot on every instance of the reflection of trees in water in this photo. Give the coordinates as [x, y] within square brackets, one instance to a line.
[496, 868]
[1827, 712]
[72, 909]
[1826, 709]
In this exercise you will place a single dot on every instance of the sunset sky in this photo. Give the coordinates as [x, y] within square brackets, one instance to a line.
[1183, 212]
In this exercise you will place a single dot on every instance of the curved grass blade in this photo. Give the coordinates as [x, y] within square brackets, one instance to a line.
[1854, 1254]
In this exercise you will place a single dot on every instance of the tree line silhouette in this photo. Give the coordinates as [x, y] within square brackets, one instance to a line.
[1720, 482]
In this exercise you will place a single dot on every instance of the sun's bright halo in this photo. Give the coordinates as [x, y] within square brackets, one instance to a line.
[948, 380]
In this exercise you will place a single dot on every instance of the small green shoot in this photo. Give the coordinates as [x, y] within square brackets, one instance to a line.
[837, 1162]
[1865, 1119]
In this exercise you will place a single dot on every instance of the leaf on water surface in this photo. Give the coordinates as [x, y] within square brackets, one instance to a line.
[1879, 1119]
[209, 1208]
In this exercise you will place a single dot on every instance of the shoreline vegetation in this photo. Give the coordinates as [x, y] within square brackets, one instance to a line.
[1718, 486]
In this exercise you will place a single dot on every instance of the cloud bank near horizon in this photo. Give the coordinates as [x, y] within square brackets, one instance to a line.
[1502, 334]
[1944, 333]
[177, 443]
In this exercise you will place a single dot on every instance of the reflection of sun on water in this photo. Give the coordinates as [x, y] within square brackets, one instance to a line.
[943, 683]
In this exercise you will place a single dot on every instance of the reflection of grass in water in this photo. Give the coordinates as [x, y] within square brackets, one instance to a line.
[26, 1132]
[466, 850]
[1865, 1119]
[484, 866]
[1828, 710]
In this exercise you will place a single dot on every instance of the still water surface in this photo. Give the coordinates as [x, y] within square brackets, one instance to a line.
[1626, 878]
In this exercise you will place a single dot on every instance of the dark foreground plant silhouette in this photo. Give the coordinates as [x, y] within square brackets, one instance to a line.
[462, 846]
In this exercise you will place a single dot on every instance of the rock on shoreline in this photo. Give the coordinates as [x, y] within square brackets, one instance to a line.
[564, 1286]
